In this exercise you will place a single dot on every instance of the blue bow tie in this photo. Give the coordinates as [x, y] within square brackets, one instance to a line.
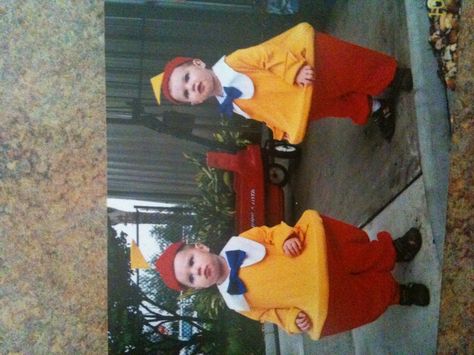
[235, 259]
[226, 106]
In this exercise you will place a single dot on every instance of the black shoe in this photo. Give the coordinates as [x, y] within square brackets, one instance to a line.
[384, 117]
[402, 81]
[408, 246]
[414, 294]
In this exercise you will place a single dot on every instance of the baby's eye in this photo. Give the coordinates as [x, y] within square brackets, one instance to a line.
[186, 77]
[191, 279]
[186, 94]
[191, 261]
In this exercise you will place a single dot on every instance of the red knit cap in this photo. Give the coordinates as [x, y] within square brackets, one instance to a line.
[165, 266]
[160, 83]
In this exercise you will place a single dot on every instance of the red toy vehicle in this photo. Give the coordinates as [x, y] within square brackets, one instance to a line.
[259, 196]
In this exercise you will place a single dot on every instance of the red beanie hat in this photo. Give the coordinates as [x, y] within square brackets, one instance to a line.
[165, 266]
[160, 82]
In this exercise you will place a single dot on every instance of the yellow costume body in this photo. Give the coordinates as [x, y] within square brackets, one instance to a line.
[273, 66]
[279, 286]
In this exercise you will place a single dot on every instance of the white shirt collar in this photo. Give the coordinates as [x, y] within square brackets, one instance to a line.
[255, 253]
[229, 77]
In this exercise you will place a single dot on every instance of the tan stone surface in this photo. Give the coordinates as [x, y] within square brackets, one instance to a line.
[456, 327]
[53, 180]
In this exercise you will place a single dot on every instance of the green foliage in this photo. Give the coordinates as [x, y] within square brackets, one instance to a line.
[242, 335]
[232, 139]
[208, 302]
[155, 289]
[125, 322]
[129, 330]
[214, 207]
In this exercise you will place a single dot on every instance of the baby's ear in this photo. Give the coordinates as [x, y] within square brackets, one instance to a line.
[199, 63]
[201, 247]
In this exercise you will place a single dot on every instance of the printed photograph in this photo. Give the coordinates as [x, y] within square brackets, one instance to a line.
[238, 177]
[266, 177]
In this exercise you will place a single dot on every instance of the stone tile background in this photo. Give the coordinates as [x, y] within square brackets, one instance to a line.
[53, 178]
[456, 327]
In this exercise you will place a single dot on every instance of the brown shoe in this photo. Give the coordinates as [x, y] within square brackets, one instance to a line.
[408, 246]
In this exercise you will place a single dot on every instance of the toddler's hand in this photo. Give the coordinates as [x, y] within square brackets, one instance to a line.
[292, 246]
[305, 76]
[303, 322]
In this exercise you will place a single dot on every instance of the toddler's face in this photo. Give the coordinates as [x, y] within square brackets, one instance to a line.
[196, 267]
[193, 83]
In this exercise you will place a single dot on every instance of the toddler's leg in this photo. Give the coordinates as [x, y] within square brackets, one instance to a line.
[355, 300]
[353, 105]
[353, 250]
[342, 68]
[361, 286]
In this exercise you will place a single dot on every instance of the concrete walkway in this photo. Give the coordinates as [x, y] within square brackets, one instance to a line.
[352, 174]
